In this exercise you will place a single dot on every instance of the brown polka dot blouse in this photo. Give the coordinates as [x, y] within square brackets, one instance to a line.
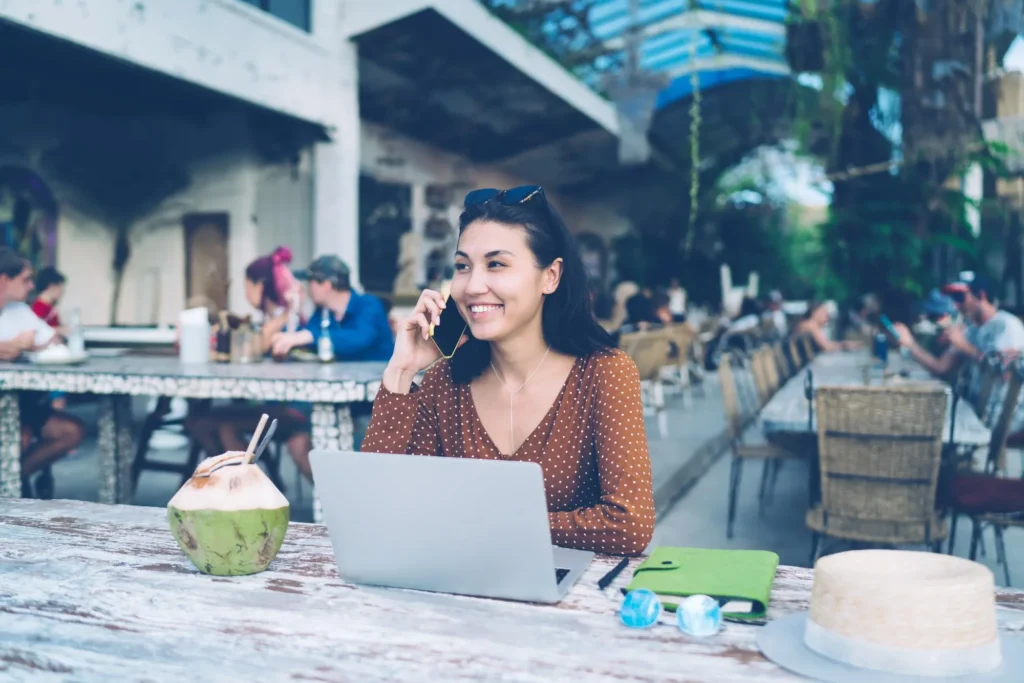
[591, 446]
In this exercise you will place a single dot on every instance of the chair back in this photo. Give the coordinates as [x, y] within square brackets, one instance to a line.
[990, 370]
[730, 397]
[781, 363]
[1006, 395]
[650, 350]
[880, 450]
[808, 347]
[796, 357]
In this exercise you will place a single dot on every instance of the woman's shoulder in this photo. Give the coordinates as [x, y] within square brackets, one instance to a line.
[611, 364]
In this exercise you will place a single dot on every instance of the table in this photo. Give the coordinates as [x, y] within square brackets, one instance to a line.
[93, 593]
[329, 387]
[788, 409]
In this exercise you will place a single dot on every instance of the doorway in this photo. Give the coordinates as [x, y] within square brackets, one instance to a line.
[206, 259]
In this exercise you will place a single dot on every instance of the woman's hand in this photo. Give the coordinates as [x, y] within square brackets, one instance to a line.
[414, 350]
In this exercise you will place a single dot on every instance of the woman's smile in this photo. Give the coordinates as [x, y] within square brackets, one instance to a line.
[482, 312]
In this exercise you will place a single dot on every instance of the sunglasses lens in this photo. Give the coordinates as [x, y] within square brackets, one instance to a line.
[519, 194]
[957, 297]
[640, 609]
[479, 196]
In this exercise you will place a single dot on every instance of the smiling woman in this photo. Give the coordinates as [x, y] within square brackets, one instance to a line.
[536, 378]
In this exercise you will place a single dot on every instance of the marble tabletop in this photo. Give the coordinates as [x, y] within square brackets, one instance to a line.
[140, 375]
[788, 409]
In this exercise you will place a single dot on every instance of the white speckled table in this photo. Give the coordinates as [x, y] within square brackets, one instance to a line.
[329, 387]
[95, 593]
[789, 410]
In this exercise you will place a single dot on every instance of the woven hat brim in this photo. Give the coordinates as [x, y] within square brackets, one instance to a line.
[782, 641]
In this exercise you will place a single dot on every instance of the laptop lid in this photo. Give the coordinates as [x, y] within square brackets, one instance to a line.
[452, 525]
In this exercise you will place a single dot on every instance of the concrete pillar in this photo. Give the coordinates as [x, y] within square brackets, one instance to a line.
[336, 185]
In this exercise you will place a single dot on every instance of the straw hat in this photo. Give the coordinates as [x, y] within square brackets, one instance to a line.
[896, 615]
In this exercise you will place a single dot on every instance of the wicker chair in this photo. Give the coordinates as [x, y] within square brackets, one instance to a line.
[808, 348]
[737, 420]
[965, 496]
[782, 366]
[650, 350]
[880, 450]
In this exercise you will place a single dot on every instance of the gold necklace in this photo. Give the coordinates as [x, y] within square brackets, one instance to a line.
[511, 395]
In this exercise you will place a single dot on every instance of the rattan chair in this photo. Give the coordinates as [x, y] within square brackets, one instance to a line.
[879, 454]
[650, 351]
[737, 420]
[981, 513]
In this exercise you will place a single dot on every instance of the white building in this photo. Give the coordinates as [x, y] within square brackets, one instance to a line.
[211, 131]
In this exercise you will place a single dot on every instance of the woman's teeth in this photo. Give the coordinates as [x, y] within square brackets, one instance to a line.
[484, 309]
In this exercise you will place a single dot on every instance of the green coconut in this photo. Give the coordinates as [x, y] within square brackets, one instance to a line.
[229, 518]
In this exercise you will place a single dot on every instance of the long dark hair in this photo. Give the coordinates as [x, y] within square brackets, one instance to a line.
[567, 322]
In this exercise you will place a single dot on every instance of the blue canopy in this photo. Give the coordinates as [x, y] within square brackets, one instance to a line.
[724, 41]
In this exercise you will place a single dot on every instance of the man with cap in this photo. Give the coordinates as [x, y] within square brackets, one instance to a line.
[990, 329]
[357, 323]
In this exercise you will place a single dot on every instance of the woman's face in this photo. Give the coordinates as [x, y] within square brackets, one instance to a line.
[253, 293]
[498, 286]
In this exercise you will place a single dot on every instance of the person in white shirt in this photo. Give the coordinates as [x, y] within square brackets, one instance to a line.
[46, 435]
[677, 301]
[990, 329]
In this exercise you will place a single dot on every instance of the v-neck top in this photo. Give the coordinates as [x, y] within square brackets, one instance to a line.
[591, 446]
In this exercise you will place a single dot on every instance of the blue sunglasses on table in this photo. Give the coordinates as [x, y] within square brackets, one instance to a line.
[516, 195]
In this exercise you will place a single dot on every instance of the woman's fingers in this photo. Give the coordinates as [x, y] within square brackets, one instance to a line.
[424, 324]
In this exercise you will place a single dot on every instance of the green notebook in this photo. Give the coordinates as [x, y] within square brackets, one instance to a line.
[742, 579]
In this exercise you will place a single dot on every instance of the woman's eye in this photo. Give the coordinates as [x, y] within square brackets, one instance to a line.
[460, 267]
[495, 264]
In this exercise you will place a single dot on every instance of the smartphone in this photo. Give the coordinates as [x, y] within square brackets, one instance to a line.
[447, 334]
[887, 324]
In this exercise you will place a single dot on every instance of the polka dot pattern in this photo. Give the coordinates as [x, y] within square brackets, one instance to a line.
[591, 446]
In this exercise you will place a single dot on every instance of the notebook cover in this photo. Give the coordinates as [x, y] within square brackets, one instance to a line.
[745, 575]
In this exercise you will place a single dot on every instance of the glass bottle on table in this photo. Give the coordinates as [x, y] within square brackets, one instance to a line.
[76, 341]
[324, 345]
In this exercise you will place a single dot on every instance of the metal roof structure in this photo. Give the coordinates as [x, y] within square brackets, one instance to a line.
[724, 41]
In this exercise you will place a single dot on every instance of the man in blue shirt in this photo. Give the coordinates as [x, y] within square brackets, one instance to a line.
[357, 323]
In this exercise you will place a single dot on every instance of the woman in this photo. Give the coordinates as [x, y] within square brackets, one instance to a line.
[274, 292]
[536, 379]
[814, 322]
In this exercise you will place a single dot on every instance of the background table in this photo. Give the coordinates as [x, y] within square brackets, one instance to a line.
[788, 409]
[330, 387]
[93, 593]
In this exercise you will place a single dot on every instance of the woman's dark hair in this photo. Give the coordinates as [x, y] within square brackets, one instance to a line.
[812, 306]
[12, 264]
[48, 277]
[567, 321]
[749, 306]
[267, 270]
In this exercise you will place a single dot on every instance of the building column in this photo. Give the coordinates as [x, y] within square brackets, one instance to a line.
[336, 182]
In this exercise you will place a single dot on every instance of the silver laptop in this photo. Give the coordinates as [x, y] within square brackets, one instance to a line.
[450, 525]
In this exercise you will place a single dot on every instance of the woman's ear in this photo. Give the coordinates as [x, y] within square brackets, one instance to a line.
[552, 276]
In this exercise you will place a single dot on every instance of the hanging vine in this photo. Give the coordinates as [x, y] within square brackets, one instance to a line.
[695, 122]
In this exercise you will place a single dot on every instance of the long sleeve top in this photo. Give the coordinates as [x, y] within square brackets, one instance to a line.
[591, 446]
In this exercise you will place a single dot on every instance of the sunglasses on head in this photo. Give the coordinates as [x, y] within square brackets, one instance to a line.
[516, 195]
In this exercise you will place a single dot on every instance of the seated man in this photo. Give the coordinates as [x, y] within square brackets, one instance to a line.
[357, 324]
[46, 435]
[990, 329]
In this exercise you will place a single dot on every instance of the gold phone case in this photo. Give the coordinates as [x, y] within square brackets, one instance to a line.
[446, 291]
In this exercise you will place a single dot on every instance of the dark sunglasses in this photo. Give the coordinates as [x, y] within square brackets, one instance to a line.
[516, 195]
[958, 297]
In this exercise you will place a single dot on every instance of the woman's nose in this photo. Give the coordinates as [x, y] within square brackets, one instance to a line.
[477, 282]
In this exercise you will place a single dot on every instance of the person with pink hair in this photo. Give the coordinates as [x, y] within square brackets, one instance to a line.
[271, 288]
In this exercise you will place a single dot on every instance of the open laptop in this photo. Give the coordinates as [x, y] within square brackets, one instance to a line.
[450, 525]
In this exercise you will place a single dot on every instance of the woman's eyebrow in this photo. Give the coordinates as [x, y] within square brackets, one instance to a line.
[490, 254]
